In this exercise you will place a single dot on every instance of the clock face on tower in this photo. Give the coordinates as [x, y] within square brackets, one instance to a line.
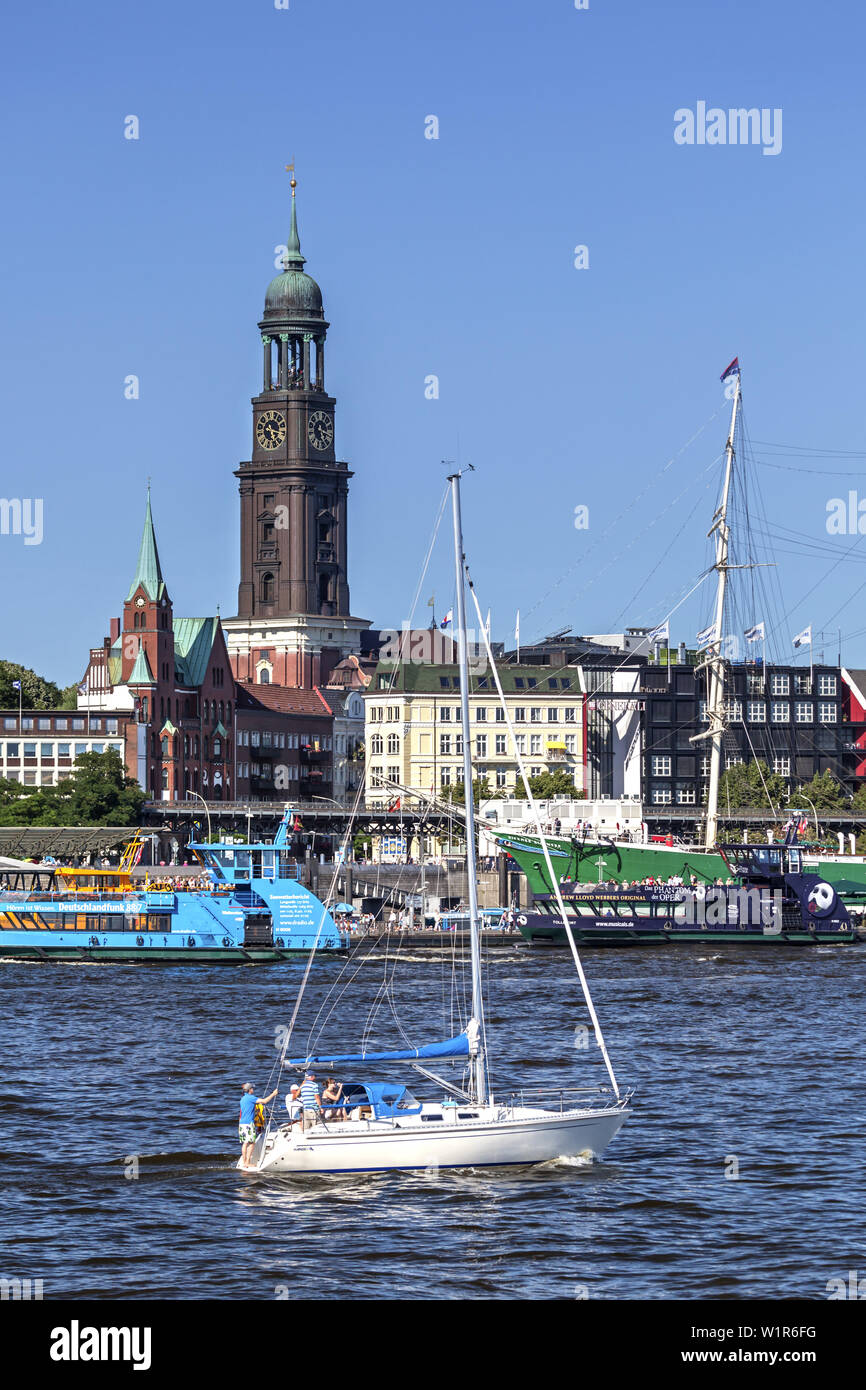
[270, 429]
[320, 430]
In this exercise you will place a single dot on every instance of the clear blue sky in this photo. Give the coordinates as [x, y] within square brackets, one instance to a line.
[452, 257]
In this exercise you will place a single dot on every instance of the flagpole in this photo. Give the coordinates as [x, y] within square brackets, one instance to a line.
[20, 700]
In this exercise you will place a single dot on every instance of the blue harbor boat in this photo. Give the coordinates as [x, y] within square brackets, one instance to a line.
[252, 910]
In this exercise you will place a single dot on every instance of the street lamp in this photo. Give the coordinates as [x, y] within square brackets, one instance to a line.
[814, 812]
[207, 812]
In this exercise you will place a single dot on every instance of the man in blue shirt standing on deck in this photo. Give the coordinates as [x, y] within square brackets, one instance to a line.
[310, 1100]
[246, 1120]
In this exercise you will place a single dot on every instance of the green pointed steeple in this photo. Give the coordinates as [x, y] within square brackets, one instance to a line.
[148, 574]
[141, 673]
[293, 260]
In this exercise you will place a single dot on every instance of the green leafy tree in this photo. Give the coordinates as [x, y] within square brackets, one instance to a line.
[456, 793]
[97, 793]
[823, 791]
[36, 692]
[555, 786]
[859, 801]
[752, 785]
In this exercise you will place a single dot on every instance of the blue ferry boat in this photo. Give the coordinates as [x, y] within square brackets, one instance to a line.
[252, 910]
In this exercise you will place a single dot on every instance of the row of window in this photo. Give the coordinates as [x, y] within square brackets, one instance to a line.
[47, 752]
[661, 765]
[538, 714]
[780, 712]
[60, 723]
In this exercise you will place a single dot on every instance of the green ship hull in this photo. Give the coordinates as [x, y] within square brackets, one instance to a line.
[592, 861]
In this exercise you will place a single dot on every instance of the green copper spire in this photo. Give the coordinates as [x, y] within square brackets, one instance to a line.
[141, 673]
[148, 573]
[293, 260]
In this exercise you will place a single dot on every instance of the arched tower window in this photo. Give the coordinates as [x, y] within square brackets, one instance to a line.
[267, 588]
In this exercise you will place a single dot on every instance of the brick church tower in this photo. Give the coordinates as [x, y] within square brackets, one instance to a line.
[294, 622]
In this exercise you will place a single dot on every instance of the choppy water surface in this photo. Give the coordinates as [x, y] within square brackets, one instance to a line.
[749, 1055]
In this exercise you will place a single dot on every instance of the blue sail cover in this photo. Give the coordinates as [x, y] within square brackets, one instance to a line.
[452, 1047]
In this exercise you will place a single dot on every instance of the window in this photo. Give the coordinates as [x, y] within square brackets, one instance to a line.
[733, 760]
[393, 774]
[393, 714]
[518, 683]
[803, 684]
[376, 744]
[500, 715]
[702, 712]
[30, 750]
[501, 777]
[535, 714]
[44, 724]
[500, 744]
[444, 743]
[520, 743]
[686, 795]
[376, 714]
[536, 771]
[553, 715]
[445, 714]
[266, 588]
[734, 711]
[535, 744]
[445, 777]
[782, 766]
[12, 749]
[570, 741]
[77, 725]
[826, 685]
[393, 744]
[79, 749]
[757, 711]
[780, 685]
[754, 683]
[267, 738]
[804, 712]
[481, 714]
[780, 711]
[662, 796]
[481, 745]
[705, 766]
[827, 714]
[46, 750]
[661, 767]
[570, 715]
[520, 715]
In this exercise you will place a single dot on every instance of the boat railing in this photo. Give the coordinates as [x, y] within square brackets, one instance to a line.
[565, 1097]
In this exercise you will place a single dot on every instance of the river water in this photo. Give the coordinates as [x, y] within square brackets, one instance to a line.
[739, 1174]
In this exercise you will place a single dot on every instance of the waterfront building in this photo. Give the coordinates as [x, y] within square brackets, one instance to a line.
[285, 744]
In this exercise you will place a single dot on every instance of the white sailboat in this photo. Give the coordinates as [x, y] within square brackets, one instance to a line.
[380, 1126]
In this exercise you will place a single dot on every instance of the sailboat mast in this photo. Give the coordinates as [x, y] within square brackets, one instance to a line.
[715, 661]
[480, 1087]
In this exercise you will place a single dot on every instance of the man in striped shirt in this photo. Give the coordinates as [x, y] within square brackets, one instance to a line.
[310, 1100]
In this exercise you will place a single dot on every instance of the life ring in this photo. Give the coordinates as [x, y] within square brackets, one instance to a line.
[190, 941]
[94, 941]
[227, 941]
[522, 920]
[139, 941]
[280, 942]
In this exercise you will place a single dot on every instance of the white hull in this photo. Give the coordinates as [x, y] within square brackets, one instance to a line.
[498, 1137]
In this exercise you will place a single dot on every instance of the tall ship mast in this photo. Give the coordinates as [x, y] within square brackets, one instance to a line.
[714, 664]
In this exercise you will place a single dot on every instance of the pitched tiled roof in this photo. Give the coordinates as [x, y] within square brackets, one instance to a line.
[283, 699]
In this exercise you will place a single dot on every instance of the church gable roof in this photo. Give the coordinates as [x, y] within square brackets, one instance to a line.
[193, 643]
[141, 673]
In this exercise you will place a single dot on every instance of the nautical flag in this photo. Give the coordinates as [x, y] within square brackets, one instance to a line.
[660, 634]
[755, 634]
[431, 602]
[16, 685]
[732, 369]
[706, 638]
[448, 619]
[804, 638]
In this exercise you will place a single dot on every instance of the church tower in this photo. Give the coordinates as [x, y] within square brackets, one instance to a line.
[294, 621]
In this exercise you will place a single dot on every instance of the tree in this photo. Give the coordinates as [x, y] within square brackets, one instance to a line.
[97, 793]
[456, 792]
[823, 791]
[752, 785]
[555, 786]
[859, 802]
[36, 692]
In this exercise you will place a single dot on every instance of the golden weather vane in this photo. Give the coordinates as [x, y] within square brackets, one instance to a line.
[290, 169]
